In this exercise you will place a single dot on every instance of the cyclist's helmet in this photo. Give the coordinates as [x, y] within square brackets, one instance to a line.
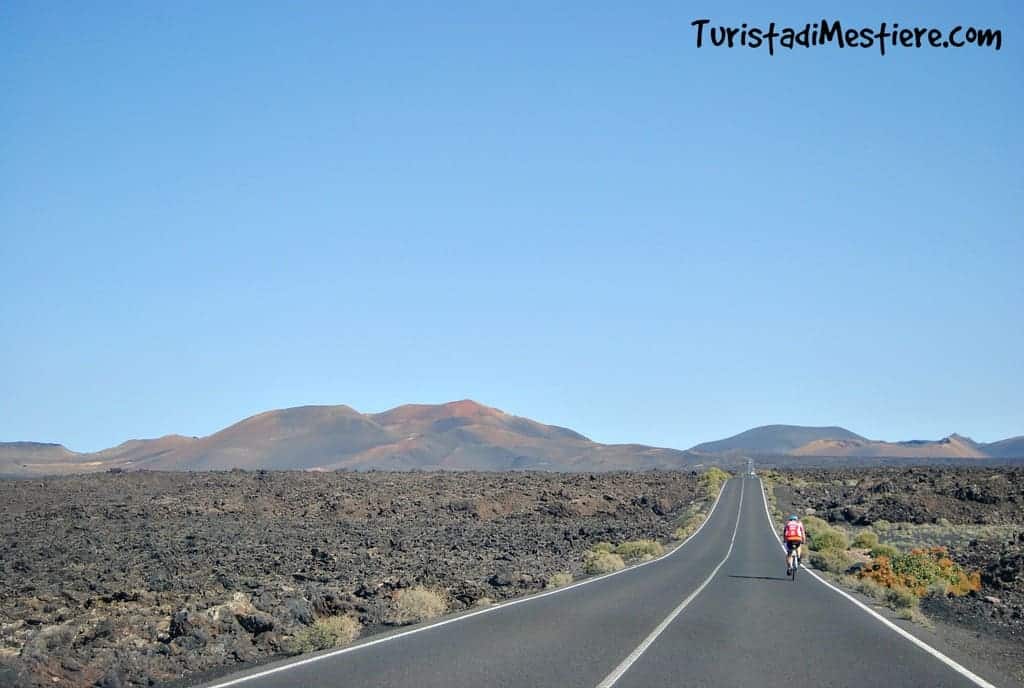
[793, 517]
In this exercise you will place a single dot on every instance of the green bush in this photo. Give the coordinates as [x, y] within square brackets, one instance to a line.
[833, 560]
[603, 547]
[884, 550]
[712, 480]
[827, 539]
[919, 569]
[637, 549]
[865, 539]
[813, 524]
[602, 562]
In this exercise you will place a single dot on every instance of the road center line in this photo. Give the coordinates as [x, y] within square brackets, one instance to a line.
[623, 667]
[295, 663]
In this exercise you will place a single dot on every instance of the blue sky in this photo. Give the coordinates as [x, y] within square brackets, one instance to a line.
[569, 212]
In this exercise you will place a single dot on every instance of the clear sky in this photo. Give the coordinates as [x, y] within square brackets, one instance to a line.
[565, 210]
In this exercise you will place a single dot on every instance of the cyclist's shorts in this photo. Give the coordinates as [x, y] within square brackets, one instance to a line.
[791, 545]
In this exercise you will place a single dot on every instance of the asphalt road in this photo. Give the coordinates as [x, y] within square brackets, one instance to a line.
[716, 612]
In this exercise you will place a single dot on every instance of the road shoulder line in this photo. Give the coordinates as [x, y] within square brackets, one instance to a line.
[948, 661]
[624, 666]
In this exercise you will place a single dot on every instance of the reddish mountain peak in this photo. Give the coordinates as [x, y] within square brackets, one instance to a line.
[293, 415]
[410, 413]
[468, 407]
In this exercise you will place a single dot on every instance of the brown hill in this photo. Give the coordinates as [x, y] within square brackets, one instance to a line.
[1012, 448]
[36, 452]
[463, 435]
[952, 447]
[775, 439]
[836, 442]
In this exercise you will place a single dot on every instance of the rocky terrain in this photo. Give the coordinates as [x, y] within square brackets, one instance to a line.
[977, 513]
[139, 578]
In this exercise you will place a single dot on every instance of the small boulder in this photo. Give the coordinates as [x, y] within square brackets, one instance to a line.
[300, 610]
[256, 622]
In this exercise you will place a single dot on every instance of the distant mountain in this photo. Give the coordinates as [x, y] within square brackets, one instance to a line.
[462, 435]
[34, 452]
[836, 442]
[775, 439]
[1012, 448]
[951, 447]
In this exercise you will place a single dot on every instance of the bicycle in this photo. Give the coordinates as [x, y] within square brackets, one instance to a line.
[795, 552]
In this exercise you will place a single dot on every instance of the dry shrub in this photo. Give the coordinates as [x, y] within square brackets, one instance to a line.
[417, 604]
[602, 562]
[866, 539]
[327, 633]
[866, 586]
[813, 524]
[900, 598]
[559, 580]
[834, 560]
[638, 549]
[884, 550]
[688, 527]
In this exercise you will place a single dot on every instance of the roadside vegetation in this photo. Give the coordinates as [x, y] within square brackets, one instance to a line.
[595, 562]
[325, 634]
[559, 580]
[828, 546]
[605, 557]
[711, 483]
[642, 550]
[417, 604]
[908, 536]
[883, 571]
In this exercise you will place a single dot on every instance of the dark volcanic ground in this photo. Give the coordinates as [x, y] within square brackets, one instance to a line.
[912, 495]
[977, 513]
[140, 578]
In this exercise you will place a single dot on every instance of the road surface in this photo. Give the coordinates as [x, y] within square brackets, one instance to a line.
[716, 612]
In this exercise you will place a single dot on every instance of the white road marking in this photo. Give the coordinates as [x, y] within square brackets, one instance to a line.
[463, 617]
[623, 667]
[951, 663]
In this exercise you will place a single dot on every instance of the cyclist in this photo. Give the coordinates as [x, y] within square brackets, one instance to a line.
[794, 536]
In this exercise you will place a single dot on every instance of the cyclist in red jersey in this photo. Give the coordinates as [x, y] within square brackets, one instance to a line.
[794, 536]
